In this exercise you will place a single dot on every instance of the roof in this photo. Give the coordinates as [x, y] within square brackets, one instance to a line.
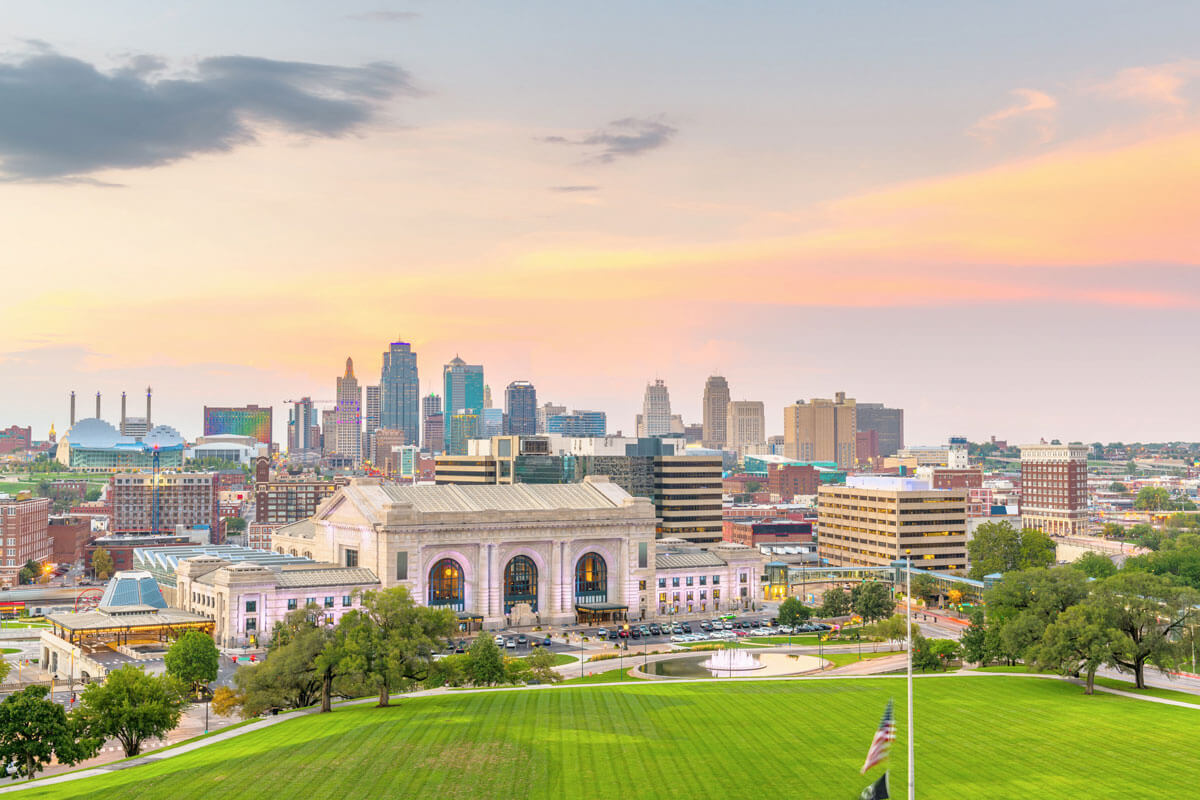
[453, 498]
[99, 620]
[326, 576]
[166, 559]
[96, 434]
[132, 588]
[687, 559]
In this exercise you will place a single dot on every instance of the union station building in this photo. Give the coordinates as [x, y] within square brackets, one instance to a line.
[517, 554]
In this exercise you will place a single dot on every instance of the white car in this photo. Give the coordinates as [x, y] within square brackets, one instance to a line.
[727, 625]
[510, 644]
[677, 638]
[786, 630]
[499, 641]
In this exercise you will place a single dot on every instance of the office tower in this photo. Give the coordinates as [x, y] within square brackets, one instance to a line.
[329, 431]
[234, 421]
[873, 521]
[387, 442]
[579, 423]
[821, 430]
[491, 423]
[887, 422]
[545, 412]
[190, 499]
[462, 392]
[430, 404]
[745, 427]
[463, 427]
[716, 401]
[487, 396]
[520, 408]
[304, 427]
[655, 419]
[1054, 497]
[371, 421]
[399, 389]
[434, 436]
[348, 416]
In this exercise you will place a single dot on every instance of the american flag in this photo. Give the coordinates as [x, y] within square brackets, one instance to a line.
[883, 739]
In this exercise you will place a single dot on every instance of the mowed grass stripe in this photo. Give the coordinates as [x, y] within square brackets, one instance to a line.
[995, 737]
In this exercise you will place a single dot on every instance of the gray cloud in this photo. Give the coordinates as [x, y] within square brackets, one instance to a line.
[623, 137]
[385, 16]
[63, 118]
[574, 188]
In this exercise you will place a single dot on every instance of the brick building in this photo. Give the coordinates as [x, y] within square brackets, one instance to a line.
[789, 480]
[956, 478]
[69, 536]
[14, 439]
[755, 532]
[24, 528]
[1054, 496]
[121, 547]
[866, 449]
[190, 499]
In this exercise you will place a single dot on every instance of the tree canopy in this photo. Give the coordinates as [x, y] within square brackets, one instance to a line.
[102, 563]
[193, 659]
[792, 611]
[132, 707]
[33, 730]
[835, 603]
[998, 547]
[872, 600]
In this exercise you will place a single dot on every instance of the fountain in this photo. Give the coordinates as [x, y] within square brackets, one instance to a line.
[733, 661]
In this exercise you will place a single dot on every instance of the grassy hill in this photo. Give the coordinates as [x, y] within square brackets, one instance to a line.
[980, 737]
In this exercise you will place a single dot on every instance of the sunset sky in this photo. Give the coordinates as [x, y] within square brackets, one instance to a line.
[986, 215]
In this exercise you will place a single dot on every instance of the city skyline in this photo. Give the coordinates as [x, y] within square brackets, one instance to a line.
[991, 230]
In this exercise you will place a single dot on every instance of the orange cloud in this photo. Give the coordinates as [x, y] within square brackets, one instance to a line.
[1031, 104]
[1156, 85]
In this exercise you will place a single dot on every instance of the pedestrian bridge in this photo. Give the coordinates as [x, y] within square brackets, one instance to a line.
[783, 580]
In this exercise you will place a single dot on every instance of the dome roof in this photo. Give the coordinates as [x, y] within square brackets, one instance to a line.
[93, 432]
[163, 436]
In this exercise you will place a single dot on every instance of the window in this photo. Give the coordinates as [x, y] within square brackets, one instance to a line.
[641, 586]
[591, 579]
[689, 580]
[447, 585]
[251, 625]
[291, 604]
[662, 597]
[347, 600]
[675, 582]
[310, 601]
[716, 580]
[690, 596]
[703, 579]
[329, 602]
[742, 578]
[520, 583]
[643, 556]
[662, 583]
[351, 558]
[251, 606]
[402, 565]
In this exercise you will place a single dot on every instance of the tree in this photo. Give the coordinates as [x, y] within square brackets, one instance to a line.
[33, 730]
[925, 587]
[1117, 486]
[792, 611]
[1144, 535]
[92, 494]
[1095, 565]
[1079, 641]
[289, 678]
[1177, 558]
[933, 654]
[131, 706]
[974, 641]
[1149, 612]
[226, 701]
[541, 667]
[998, 547]
[1023, 603]
[193, 659]
[485, 664]
[102, 564]
[872, 600]
[391, 640]
[1152, 498]
[235, 525]
[835, 603]
[1113, 530]
[893, 628]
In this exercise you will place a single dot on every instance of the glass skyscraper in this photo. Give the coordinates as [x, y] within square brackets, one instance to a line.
[462, 392]
[399, 392]
[520, 405]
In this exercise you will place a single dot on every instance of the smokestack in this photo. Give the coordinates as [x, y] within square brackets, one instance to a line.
[122, 413]
[72, 409]
[148, 425]
[97, 405]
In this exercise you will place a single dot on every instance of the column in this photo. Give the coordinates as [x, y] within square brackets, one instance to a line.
[554, 573]
[495, 590]
[479, 603]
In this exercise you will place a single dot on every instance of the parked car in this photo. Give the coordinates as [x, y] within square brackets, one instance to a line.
[727, 625]
[461, 647]
[645, 629]
[704, 626]
[624, 634]
[741, 632]
[635, 633]
[510, 643]
[499, 641]
[677, 629]
[687, 627]
[655, 630]
[602, 633]
[546, 642]
[521, 640]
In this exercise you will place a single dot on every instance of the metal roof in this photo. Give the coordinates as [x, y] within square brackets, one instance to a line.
[678, 560]
[326, 576]
[515, 497]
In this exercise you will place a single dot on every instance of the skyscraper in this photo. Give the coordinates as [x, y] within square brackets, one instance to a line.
[371, 421]
[304, 427]
[821, 430]
[545, 412]
[487, 396]
[716, 401]
[745, 427]
[887, 422]
[520, 408]
[462, 391]
[431, 406]
[348, 415]
[655, 419]
[400, 389]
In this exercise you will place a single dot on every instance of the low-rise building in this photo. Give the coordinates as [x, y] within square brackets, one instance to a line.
[697, 581]
[756, 532]
[24, 534]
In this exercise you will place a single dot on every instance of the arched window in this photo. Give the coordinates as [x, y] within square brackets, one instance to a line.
[446, 586]
[591, 579]
[520, 583]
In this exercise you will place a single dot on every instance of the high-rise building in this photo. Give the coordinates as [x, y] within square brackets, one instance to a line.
[348, 416]
[463, 427]
[716, 401]
[304, 427]
[399, 390]
[520, 407]
[1054, 497]
[887, 422]
[434, 436]
[873, 521]
[371, 422]
[578, 423]
[687, 497]
[545, 412]
[655, 419]
[431, 406]
[329, 431]
[821, 430]
[462, 392]
[745, 427]
[491, 423]
[487, 396]
[25, 532]
[237, 421]
[190, 499]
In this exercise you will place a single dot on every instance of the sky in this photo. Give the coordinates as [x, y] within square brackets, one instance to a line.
[985, 214]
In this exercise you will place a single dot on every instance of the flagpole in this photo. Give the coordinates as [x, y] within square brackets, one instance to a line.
[912, 776]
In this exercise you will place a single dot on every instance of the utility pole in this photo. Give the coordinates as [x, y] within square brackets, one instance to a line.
[912, 775]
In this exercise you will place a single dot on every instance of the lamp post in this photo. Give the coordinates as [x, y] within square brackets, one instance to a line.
[912, 777]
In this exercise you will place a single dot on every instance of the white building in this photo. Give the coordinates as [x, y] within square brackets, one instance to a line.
[655, 419]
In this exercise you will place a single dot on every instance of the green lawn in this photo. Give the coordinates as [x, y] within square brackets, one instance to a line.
[732, 644]
[842, 659]
[1149, 691]
[670, 740]
[611, 676]
[559, 659]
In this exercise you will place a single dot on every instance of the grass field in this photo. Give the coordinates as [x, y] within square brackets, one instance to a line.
[610, 676]
[979, 737]
[842, 659]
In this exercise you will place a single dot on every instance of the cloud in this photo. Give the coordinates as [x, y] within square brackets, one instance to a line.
[64, 118]
[1157, 85]
[574, 188]
[629, 136]
[385, 16]
[1037, 107]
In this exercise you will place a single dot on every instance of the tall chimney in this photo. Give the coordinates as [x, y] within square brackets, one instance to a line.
[122, 413]
[148, 425]
[97, 405]
[72, 409]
